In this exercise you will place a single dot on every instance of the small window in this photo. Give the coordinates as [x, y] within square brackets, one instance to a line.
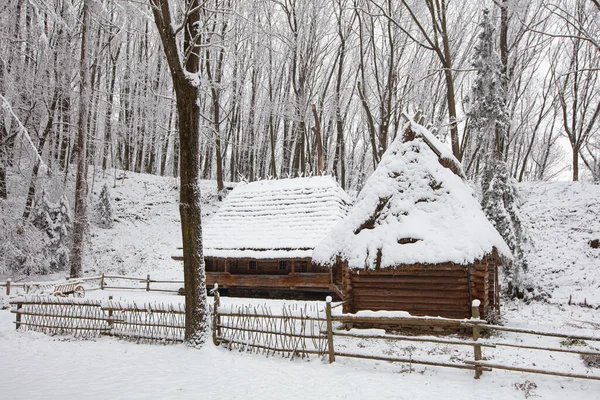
[252, 265]
[283, 265]
[301, 266]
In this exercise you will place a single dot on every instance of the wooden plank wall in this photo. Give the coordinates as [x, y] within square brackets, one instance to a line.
[444, 290]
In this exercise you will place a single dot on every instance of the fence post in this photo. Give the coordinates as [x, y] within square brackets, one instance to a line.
[476, 347]
[498, 299]
[329, 329]
[102, 282]
[18, 315]
[110, 313]
[8, 287]
[216, 329]
[148, 283]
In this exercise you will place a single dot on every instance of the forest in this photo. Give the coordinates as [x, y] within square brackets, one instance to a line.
[288, 88]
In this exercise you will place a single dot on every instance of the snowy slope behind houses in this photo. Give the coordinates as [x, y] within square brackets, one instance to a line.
[146, 231]
[562, 217]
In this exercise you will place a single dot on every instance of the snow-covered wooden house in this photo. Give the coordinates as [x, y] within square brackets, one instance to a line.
[416, 239]
[264, 233]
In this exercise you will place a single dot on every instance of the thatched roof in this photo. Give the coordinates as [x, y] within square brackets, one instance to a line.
[282, 218]
[416, 208]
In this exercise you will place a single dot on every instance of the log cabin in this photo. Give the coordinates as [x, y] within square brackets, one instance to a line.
[263, 235]
[416, 239]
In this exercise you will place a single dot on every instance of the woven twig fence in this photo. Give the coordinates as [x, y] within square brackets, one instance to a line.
[147, 322]
[92, 318]
[60, 316]
[295, 332]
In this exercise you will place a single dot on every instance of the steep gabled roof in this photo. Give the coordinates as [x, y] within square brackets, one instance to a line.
[283, 218]
[416, 208]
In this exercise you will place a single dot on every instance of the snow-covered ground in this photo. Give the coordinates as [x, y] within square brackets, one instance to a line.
[38, 366]
[562, 217]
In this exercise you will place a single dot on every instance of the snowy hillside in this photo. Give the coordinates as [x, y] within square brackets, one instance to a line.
[562, 218]
[146, 229]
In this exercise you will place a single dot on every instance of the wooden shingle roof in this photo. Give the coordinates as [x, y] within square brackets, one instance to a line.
[282, 218]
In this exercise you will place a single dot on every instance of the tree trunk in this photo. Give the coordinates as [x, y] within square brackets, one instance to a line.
[3, 160]
[186, 93]
[40, 148]
[3, 190]
[452, 111]
[317, 130]
[109, 110]
[80, 221]
[575, 152]
[65, 112]
[164, 155]
[189, 209]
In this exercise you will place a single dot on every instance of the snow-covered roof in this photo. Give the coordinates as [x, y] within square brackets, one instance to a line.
[283, 218]
[416, 207]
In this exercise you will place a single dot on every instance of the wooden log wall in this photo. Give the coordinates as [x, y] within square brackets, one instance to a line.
[269, 281]
[479, 285]
[263, 266]
[444, 290]
[493, 263]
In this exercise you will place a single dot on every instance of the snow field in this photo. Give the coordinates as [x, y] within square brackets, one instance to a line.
[38, 366]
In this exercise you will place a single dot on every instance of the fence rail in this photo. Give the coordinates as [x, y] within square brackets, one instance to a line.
[104, 282]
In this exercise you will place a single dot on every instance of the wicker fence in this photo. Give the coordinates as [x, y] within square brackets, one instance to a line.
[92, 318]
[295, 332]
[60, 316]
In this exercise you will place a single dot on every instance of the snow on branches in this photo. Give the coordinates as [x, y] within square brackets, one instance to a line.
[489, 120]
[104, 212]
[55, 220]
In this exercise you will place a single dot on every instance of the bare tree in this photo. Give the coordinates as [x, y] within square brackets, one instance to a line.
[344, 28]
[435, 36]
[214, 59]
[577, 86]
[183, 58]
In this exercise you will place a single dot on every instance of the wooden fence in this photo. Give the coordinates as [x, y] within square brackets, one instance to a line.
[92, 318]
[295, 332]
[310, 331]
[102, 282]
